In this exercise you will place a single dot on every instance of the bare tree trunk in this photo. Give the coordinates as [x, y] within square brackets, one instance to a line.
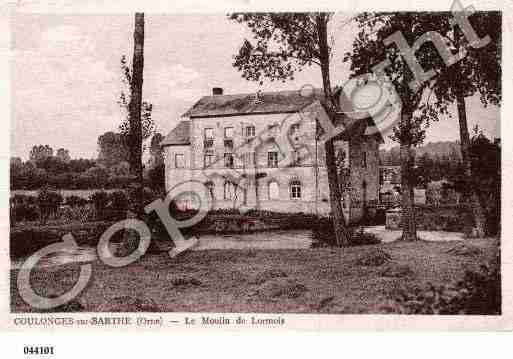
[408, 223]
[339, 223]
[130, 240]
[135, 111]
[475, 221]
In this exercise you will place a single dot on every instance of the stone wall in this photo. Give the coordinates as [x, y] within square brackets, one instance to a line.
[364, 174]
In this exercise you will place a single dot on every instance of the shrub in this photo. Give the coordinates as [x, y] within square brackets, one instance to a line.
[23, 212]
[157, 176]
[24, 242]
[75, 201]
[373, 216]
[361, 238]
[493, 216]
[442, 218]
[23, 199]
[23, 208]
[48, 202]
[149, 195]
[118, 200]
[374, 258]
[100, 200]
[324, 235]
[478, 293]
[117, 205]
[81, 214]
[228, 211]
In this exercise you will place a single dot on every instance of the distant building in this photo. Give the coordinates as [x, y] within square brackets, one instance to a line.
[223, 137]
[389, 185]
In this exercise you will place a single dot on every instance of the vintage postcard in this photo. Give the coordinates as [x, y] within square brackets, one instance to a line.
[248, 168]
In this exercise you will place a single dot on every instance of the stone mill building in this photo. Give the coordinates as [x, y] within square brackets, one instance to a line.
[264, 151]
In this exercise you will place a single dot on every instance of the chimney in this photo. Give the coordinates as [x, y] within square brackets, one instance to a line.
[216, 91]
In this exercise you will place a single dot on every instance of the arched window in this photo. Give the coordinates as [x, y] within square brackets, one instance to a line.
[295, 189]
[211, 187]
[228, 190]
[274, 190]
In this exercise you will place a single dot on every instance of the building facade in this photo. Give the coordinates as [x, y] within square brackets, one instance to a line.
[390, 185]
[264, 151]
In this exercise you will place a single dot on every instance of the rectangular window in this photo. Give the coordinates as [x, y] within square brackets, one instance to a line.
[179, 160]
[228, 160]
[364, 159]
[295, 190]
[228, 190]
[272, 159]
[250, 131]
[208, 160]
[228, 132]
[209, 133]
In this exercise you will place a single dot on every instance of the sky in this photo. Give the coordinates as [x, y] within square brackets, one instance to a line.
[66, 77]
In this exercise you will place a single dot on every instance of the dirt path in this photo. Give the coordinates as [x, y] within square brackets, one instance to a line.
[387, 235]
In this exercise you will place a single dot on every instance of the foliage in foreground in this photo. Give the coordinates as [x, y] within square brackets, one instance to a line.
[478, 293]
[324, 235]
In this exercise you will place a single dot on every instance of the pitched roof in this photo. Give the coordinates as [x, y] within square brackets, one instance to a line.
[267, 102]
[243, 104]
[180, 135]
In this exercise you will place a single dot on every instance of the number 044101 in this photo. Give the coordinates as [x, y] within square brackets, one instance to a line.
[30, 350]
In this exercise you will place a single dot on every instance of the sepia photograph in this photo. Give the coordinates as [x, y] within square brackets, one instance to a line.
[269, 163]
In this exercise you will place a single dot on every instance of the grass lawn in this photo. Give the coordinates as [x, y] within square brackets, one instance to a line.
[323, 280]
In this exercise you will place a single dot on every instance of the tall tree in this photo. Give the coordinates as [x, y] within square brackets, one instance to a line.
[40, 153]
[63, 155]
[112, 149]
[134, 138]
[285, 43]
[147, 124]
[486, 167]
[135, 134]
[373, 52]
[478, 39]
[156, 152]
[446, 54]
